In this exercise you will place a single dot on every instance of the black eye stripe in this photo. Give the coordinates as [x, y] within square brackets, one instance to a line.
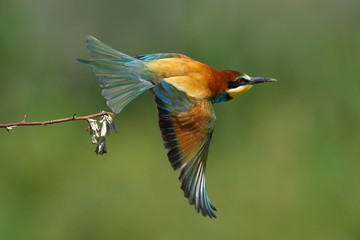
[233, 84]
[238, 82]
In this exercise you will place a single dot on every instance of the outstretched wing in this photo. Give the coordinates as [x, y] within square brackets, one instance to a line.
[187, 124]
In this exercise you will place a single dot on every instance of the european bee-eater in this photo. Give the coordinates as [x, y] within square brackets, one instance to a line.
[184, 91]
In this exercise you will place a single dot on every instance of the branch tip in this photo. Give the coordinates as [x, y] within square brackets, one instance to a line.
[112, 115]
[10, 126]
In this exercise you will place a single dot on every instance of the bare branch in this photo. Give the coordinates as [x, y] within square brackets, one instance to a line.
[10, 126]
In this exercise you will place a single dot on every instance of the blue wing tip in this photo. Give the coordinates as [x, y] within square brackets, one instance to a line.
[83, 61]
[210, 212]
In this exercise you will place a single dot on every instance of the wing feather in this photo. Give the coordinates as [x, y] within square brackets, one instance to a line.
[187, 124]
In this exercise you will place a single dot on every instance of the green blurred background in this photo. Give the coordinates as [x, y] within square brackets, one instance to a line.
[284, 162]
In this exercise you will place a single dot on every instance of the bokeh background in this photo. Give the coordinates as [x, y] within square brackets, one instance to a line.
[284, 162]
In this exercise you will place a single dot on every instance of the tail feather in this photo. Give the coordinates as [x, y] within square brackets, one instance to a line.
[102, 51]
[122, 77]
[119, 93]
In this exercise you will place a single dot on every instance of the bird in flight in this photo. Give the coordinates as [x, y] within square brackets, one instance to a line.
[184, 91]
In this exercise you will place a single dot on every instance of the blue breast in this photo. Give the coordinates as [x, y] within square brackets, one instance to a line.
[221, 98]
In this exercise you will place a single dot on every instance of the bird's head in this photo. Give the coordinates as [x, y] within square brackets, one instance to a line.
[242, 83]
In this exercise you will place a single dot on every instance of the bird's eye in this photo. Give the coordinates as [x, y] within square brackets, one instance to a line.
[238, 82]
[243, 81]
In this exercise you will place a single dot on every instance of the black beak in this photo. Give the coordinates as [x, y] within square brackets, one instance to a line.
[255, 80]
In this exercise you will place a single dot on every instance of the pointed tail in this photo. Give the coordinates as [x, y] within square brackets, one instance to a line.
[122, 77]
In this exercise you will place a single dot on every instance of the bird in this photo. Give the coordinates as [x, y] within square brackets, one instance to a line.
[184, 91]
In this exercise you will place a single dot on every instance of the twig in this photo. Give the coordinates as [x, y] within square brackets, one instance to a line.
[9, 126]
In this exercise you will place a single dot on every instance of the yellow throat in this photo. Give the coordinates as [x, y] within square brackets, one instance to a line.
[233, 93]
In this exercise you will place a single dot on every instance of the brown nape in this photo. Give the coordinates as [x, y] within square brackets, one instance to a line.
[222, 78]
